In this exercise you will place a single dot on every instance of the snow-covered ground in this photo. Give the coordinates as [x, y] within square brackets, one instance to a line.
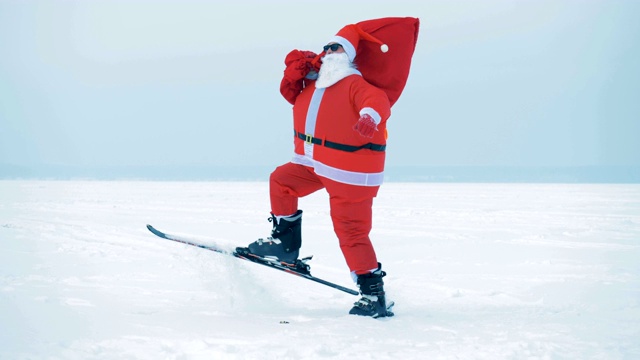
[478, 271]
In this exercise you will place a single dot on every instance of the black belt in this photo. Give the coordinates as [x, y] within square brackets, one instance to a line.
[330, 144]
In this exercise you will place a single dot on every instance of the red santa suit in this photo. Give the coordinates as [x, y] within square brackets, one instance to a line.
[330, 154]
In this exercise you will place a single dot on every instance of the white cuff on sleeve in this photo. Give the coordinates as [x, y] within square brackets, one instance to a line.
[371, 112]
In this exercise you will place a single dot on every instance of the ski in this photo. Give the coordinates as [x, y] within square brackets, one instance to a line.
[300, 268]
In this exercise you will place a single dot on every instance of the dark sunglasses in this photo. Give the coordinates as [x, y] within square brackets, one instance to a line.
[333, 47]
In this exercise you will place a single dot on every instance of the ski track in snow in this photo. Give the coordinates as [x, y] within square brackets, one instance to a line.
[478, 271]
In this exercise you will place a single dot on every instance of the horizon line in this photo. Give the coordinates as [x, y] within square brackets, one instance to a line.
[395, 173]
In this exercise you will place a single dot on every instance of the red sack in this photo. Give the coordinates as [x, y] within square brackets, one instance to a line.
[388, 70]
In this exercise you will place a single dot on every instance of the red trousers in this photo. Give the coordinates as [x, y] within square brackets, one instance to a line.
[350, 210]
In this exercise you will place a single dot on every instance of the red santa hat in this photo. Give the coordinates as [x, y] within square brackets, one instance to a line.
[384, 57]
[349, 37]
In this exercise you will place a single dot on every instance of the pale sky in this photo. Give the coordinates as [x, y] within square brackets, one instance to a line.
[184, 82]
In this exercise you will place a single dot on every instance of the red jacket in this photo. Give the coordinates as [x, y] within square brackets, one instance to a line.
[324, 136]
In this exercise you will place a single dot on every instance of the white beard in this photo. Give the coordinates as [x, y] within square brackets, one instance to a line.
[335, 67]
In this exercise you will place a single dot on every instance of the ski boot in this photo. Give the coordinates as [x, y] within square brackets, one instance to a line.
[284, 242]
[373, 302]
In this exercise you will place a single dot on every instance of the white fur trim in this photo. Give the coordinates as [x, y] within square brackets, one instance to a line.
[339, 175]
[310, 121]
[355, 277]
[346, 45]
[291, 217]
[371, 112]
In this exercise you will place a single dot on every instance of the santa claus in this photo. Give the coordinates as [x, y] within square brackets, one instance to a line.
[341, 101]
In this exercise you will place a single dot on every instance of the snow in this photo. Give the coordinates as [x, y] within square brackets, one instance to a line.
[477, 271]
